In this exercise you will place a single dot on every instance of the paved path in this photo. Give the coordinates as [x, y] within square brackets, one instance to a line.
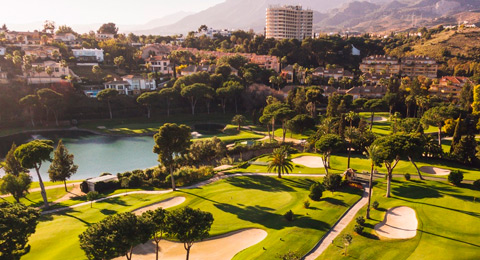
[200, 184]
[47, 188]
[348, 216]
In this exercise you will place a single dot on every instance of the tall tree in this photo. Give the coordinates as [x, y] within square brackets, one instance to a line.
[156, 219]
[169, 95]
[239, 120]
[235, 89]
[114, 236]
[374, 105]
[373, 153]
[110, 28]
[31, 156]
[16, 180]
[107, 95]
[280, 161]
[171, 140]
[189, 225]
[62, 167]
[436, 116]
[51, 100]
[326, 145]
[193, 93]
[149, 99]
[17, 223]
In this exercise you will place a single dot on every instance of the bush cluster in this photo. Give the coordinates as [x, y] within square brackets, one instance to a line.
[316, 191]
[289, 215]
[455, 177]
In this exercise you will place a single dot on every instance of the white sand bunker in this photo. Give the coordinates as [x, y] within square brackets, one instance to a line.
[399, 223]
[378, 119]
[434, 170]
[220, 247]
[309, 161]
[222, 167]
[168, 203]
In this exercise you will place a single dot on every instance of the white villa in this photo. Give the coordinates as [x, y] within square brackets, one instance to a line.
[88, 55]
[159, 64]
[58, 73]
[3, 50]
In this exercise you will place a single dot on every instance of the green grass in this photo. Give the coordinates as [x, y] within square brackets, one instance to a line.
[360, 163]
[146, 125]
[36, 184]
[384, 128]
[448, 227]
[232, 135]
[35, 198]
[236, 203]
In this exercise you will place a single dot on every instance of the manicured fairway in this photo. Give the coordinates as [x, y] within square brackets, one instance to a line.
[236, 203]
[448, 227]
[360, 163]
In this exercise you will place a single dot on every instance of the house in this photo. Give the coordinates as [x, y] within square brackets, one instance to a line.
[355, 51]
[88, 55]
[3, 77]
[3, 51]
[24, 37]
[375, 78]
[449, 87]
[122, 86]
[159, 64]
[67, 38]
[105, 179]
[59, 73]
[212, 33]
[200, 68]
[380, 63]
[104, 36]
[367, 92]
[264, 61]
[42, 52]
[139, 84]
[157, 50]
[287, 74]
[336, 73]
[415, 66]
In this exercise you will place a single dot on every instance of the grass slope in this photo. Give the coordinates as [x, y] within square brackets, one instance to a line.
[448, 228]
[235, 203]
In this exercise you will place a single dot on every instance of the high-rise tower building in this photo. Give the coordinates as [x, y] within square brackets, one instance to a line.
[289, 22]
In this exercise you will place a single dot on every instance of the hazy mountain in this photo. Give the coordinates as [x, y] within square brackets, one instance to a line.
[373, 15]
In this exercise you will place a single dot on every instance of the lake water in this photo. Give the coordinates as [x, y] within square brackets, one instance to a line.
[94, 154]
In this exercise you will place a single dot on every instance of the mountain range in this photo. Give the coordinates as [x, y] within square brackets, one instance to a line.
[363, 16]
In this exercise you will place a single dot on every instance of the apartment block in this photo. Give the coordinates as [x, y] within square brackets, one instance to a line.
[289, 22]
[379, 63]
[412, 66]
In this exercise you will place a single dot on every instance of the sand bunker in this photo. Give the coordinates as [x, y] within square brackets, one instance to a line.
[399, 223]
[222, 167]
[378, 119]
[168, 203]
[434, 170]
[221, 247]
[309, 161]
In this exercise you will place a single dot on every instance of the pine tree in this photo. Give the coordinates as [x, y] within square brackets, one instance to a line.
[457, 135]
[62, 167]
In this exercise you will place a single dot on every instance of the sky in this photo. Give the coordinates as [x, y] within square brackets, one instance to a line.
[95, 11]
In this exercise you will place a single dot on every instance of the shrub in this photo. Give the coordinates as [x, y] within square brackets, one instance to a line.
[375, 204]
[455, 177]
[289, 215]
[332, 182]
[316, 191]
[289, 256]
[360, 220]
[84, 187]
[476, 184]
[358, 229]
[407, 176]
[306, 204]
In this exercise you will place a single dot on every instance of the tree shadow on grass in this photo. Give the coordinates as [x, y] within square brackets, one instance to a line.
[198, 196]
[264, 183]
[269, 219]
[370, 236]
[335, 201]
[471, 213]
[108, 212]
[115, 200]
[69, 212]
[453, 239]
[415, 192]
[300, 183]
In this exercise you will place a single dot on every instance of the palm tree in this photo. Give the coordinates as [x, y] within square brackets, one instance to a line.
[351, 134]
[350, 116]
[280, 161]
[372, 153]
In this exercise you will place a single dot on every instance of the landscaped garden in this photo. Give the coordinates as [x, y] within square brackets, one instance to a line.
[448, 218]
[236, 203]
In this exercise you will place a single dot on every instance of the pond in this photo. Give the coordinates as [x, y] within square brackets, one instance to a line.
[94, 154]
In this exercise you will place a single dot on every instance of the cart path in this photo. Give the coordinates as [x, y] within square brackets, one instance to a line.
[339, 226]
